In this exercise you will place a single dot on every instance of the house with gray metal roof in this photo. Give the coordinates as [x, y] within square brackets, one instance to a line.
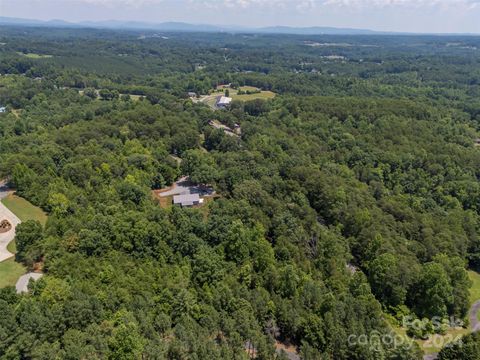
[186, 200]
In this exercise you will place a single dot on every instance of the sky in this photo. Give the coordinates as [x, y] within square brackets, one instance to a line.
[431, 16]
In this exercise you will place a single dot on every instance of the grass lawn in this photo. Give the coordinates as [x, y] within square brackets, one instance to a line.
[475, 289]
[135, 97]
[10, 271]
[211, 100]
[166, 201]
[436, 342]
[24, 209]
[265, 95]
[35, 56]
[248, 88]
[12, 247]
[247, 97]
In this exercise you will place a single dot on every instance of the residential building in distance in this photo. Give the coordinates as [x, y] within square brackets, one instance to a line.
[223, 102]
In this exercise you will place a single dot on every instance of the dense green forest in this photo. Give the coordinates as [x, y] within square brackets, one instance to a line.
[350, 200]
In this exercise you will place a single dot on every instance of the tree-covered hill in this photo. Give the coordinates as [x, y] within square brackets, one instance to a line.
[350, 200]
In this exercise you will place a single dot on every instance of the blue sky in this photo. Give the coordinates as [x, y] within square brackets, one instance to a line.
[391, 15]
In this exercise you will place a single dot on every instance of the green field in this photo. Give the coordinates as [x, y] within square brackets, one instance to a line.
[135, 97]
[24, 209]
[246, 97]
[35, 56]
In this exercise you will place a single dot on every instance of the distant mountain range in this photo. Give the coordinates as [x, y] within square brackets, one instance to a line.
[185, 27]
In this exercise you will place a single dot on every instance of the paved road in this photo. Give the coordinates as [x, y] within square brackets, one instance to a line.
[5, 238]
[472, 316]
[22, 283]
[3, 189]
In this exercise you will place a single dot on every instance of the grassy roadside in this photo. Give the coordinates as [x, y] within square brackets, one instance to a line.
[10, 271]
[475, 289]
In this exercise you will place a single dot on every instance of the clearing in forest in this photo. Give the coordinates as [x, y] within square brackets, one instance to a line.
[243, 93]
[35, 56]
[246, 93]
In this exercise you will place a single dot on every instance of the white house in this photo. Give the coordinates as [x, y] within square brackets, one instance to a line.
[3, 109]
[223, 102]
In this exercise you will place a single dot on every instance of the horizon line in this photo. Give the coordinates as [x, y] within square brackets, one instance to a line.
[85, 24]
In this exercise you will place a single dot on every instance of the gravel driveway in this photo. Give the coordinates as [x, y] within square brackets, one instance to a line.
[183, 187]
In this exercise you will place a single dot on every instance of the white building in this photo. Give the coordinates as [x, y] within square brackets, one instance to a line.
[223, 102]
[3, 109]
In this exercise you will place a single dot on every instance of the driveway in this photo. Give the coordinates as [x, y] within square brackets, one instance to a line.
[5, 238]
[472, 316]
[4, 190]
[184, 187]
[6, 214]
[22, 283]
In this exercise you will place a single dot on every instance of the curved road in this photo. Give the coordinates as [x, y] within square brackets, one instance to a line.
[5, 238]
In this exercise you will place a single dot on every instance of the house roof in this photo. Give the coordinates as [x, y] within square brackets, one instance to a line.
[224, 100]
[186, 199]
